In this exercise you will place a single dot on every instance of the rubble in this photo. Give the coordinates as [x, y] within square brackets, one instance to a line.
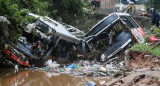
[90, 84]
[83, 68]
[144, 70]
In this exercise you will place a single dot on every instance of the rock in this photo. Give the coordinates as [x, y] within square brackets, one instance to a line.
[137, 78]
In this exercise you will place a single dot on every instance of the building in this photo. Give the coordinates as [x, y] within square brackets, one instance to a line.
[107, 6]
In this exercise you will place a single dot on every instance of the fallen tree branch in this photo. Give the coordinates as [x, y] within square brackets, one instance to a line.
[156, 44]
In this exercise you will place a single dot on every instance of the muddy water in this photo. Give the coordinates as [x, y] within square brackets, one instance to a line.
[27, 77]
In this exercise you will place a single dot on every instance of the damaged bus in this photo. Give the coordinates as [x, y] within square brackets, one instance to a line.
[43, 37]
[112, 34]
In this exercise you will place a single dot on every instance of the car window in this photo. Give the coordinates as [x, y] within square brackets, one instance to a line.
[129, 21]
[102, 25]
[42, 26]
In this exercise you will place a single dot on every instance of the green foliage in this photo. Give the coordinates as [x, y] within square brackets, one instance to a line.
[68, 10]
[153, 4]
[146, 39]
[11, 12]
[147, 48]
[10, 9]
[154, 30]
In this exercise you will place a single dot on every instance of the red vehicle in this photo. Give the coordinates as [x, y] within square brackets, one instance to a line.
[17, 59]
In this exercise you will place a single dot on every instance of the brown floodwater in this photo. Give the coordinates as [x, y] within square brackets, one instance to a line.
[26, 77]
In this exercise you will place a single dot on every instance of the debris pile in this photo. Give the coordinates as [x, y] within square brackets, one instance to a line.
[85, 68]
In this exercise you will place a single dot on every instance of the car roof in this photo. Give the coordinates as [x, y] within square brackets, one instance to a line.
[59, 28]
[105, 23]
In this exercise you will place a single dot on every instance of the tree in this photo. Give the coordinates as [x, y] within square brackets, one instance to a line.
[68, 10]
[153, 4]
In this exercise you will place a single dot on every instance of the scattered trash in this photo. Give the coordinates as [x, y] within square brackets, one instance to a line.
[91, 83]
[102, 69]
[102, 57]
[102, 82]
[62, 70]
[153, 39]
[48, 62]
[71, 66]
[16, 69]
[82, 68]
[51, 65]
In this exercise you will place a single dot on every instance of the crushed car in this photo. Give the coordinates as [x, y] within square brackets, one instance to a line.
[115, 32]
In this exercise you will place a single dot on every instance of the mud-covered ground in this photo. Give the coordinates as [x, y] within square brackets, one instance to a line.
[143, 70]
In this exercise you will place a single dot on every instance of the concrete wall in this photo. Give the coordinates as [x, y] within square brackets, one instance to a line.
[107, 6]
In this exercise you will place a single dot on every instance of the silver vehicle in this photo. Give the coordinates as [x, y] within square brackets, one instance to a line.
[45, 36]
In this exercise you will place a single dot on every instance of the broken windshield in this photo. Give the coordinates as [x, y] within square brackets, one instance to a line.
[102, 25]
[42, 26]
[129, 21]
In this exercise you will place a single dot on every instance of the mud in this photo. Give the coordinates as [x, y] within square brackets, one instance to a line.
[27, 77]
[144, 71]
[143, 60]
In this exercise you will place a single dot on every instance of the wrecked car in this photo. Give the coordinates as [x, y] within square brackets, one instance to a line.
[46, 36]
[112, 34]
[43, 37]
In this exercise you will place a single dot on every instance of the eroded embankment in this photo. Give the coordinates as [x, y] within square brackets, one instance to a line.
[144, 70]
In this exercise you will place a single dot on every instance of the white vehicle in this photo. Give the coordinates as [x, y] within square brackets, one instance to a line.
[59, 30]
[46, 35]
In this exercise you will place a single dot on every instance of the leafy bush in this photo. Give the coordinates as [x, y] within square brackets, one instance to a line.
[146, 47]
[68, 10]
[153, 4]
[154, 30]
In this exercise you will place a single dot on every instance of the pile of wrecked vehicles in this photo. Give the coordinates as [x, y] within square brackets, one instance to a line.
[47, 37]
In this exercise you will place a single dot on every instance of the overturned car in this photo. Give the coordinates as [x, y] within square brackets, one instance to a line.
[43, 37]
[115, 32]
